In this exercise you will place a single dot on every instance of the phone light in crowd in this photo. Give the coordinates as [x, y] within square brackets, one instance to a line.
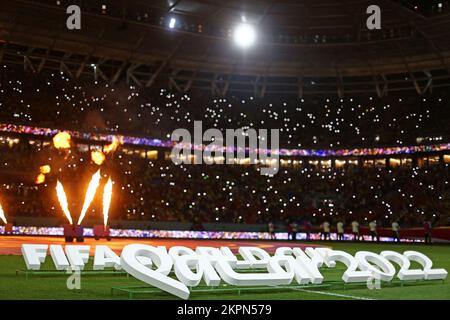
[172, 23]
[244, 35]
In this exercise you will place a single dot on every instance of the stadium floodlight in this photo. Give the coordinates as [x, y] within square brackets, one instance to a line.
[244, 35]
[172, 23]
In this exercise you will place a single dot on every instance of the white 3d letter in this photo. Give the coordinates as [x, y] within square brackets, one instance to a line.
[276, 275]
[310, 264]
[78, 256]
[302, 273]
[157, 278]
[240, 264]
[177, 251]
[320, 254]
[364, 258]
[105, 257]
[34, 255]
[351, 274]
[58, 256]
[257, 257]
[183, 270]
[404, 263]
[430, 274]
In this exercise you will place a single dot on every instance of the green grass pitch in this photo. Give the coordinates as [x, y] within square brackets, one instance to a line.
[52, 286]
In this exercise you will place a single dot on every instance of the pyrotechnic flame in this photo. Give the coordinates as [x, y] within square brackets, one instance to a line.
[62, 140]
[113, 145]
[2, 214]
[63, 200]
[45, 169]
[97, 157]
[107, 194]
[90, 194]
[40, 178]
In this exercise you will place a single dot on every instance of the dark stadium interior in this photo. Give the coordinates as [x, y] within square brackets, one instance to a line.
[316, 73]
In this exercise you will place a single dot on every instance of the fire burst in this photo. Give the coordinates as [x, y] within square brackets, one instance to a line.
[116, 142]
[46, 169]
[63, 200]
[62, 140]
[90, 194]
[97, 157]
[40, 178]
[107, 194]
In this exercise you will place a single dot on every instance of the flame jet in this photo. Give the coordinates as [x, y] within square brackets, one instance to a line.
[63, 200]
[107, 195]
[90, 194]
[2, 214]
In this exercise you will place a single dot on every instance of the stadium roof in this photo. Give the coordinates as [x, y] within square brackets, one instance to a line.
[304, 46]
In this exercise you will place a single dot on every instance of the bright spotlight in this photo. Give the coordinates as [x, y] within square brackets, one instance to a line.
[244, 35]
[172, 23]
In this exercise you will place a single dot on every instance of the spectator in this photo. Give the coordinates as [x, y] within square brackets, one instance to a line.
[271, 228]
[355, 230]
[427, 228]
[289, 231]
[307, 227]
[294, 228]
[396, 231]
[340, 230]
[373, 230]
[326, 230]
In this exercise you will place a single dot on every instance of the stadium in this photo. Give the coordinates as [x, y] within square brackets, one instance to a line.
[224, 150]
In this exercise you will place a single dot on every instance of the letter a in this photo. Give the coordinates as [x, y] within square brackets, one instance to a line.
[74, 20]
[74, 280]
[374, 20]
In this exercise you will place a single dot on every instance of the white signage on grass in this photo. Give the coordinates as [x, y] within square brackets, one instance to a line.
[154, 265]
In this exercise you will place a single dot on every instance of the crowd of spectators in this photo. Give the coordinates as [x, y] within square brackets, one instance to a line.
[159, 190]
[162, 191]
[312, 122]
